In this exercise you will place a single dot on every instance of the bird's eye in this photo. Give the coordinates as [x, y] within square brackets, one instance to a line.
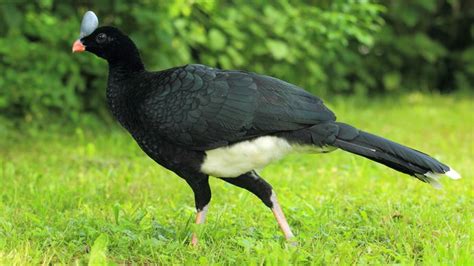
[101, 38]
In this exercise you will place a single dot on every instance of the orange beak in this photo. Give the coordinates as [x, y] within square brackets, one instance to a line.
[78, 47]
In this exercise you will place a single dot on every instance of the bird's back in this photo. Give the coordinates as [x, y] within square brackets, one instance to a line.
[204, 108]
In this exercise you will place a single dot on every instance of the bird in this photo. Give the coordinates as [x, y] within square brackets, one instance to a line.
[201, 122]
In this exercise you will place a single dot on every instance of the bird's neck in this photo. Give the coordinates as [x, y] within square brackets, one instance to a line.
[125, 69]
[127, 63]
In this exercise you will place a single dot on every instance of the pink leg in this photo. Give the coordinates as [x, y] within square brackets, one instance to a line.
[200, 218]
[280, 217]
[252, 182]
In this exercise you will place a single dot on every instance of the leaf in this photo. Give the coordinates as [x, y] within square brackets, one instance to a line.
[99, 251]
[116, 212]
[217, 40]
[429, 48]
[428, 5]
[392, 80]
[278, 49]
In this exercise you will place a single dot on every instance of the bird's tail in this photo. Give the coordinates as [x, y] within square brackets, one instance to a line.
[391, 154]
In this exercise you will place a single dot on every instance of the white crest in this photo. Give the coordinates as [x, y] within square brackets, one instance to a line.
[90, 22]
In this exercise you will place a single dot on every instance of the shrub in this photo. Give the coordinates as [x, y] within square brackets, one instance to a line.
[348, 47]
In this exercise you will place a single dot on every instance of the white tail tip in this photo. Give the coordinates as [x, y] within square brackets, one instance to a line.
[453, 174]
[433, 178]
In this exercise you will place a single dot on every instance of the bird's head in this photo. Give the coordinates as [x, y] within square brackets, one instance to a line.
[106, 42]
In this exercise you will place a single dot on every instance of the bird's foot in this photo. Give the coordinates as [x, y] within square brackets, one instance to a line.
[194, 240]
[200, 218]
[292, 242]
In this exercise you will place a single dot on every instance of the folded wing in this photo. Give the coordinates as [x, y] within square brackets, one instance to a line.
[205, 108]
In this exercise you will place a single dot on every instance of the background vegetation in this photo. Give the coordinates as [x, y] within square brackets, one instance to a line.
[75, 190]
[334, 47]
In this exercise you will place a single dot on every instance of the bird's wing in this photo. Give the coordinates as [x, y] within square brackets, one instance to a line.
[204, 108]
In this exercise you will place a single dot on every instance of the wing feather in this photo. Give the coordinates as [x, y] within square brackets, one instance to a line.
[204, 108]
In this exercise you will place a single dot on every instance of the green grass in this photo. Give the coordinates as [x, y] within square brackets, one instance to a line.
[90, 195]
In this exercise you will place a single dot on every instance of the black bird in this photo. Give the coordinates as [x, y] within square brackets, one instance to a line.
[199, 121]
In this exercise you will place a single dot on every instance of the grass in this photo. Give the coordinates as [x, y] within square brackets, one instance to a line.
[90, 195]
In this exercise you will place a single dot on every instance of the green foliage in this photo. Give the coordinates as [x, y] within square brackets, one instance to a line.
[98, 255]
[40, 76]
[334, 47]
[427, 45]
[73, 196]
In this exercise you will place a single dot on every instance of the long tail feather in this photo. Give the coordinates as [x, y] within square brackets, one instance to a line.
[393, 155]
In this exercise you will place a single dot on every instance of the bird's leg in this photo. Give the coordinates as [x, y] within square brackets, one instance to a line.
[252, 182]
[280, 217]
[200, 219]
[202, 197]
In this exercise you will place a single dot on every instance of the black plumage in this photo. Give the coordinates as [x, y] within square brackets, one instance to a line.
[181, 116]
[202, 108]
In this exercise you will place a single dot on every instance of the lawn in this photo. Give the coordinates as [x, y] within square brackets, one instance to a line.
[85, 193]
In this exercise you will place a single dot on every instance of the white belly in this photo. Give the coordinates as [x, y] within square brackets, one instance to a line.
[242, 157]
